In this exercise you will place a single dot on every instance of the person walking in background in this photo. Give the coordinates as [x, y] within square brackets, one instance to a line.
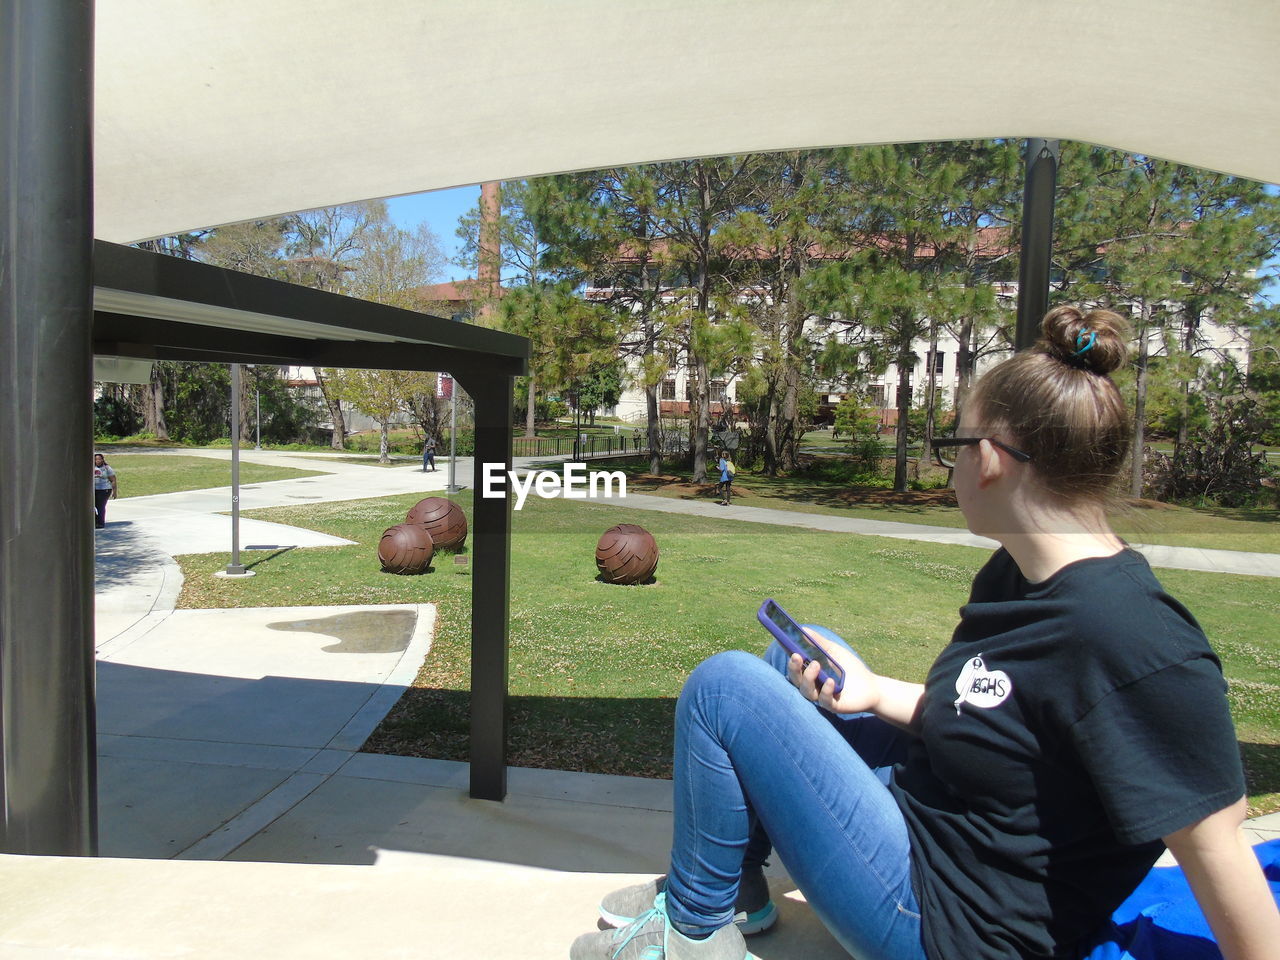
[429, 454]
[727, 470]
[104, 488]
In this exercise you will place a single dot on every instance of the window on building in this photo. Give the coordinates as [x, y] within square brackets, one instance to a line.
[939, 360]
[875, 394]
[668, 390]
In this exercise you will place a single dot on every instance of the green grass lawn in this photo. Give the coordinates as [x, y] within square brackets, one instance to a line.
[819, 489]
[143, 474]
[595, 668]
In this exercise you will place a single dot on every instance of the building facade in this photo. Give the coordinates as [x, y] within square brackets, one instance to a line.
[1215, 343]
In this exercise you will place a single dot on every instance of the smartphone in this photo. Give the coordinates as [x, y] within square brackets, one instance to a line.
[789, 633]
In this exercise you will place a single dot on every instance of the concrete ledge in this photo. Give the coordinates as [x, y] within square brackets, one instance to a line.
[440, 907]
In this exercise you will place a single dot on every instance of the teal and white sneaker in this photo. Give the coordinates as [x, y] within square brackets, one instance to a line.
[754, 911]
[651, 936]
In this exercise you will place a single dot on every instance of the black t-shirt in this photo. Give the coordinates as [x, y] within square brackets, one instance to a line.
[1067, 727]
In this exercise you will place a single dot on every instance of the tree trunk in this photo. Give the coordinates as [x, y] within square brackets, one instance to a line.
[339, 439]
[1140, 400]
[700, 417]
[964, 366]
[699, 396]
[1184, 414]
[772, 455]
[384, 442]
[153, 406]
[1188, 347]
[904, 411]
[530, 422]
[789, 442]
[655, 436]
[248, 404]
[930, 398]
[774, 434]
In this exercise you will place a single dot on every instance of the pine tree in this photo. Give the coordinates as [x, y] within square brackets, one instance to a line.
[787, 227]
[1169, 246]
[904, 221]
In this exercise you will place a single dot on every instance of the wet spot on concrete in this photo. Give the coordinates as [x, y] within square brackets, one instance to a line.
[299, 496]
[363, 631]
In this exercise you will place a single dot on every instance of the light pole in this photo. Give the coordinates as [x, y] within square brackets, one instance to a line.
[453, 435]
[459, 317]
[235, 568]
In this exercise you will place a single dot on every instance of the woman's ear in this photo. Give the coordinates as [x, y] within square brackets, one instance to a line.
[990, 465]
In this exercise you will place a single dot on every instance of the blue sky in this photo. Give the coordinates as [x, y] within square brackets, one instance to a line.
[440, 210]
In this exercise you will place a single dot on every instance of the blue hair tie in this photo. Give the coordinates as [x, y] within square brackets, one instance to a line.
[1080, 336]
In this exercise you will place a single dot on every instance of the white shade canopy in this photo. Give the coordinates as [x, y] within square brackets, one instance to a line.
[212, 113]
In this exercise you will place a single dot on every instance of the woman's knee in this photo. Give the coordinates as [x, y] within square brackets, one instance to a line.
[730, 676]
[726, 670]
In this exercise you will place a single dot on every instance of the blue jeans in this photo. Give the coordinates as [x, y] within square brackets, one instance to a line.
[757, 762]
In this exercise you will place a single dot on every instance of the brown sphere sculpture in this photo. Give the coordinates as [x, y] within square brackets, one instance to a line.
[405, 548]
[443, 519]
[626, 554]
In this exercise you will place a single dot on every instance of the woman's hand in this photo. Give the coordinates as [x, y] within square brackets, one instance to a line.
[861, 691]
[893, 700]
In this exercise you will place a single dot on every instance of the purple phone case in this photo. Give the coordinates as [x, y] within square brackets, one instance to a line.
[800, 644]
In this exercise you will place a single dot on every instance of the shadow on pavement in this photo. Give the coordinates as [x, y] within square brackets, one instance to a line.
[123, 556]
[625, 736]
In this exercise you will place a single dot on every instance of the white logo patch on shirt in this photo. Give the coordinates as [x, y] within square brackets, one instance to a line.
[982, 687]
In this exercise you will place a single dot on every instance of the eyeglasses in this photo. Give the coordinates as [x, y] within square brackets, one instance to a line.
[947, 443]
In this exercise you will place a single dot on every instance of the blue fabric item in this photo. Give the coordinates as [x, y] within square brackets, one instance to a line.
[1162, 921]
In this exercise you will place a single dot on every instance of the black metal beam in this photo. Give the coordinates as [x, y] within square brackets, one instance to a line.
[48, 759]
[125, 335]
[478, 367]
[1037, 238]
[145, 274]
[490, 589]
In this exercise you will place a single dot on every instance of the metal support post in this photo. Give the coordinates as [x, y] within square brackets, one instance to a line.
[1037, 238]
[493, 397]
[48, 752]
[235, 568]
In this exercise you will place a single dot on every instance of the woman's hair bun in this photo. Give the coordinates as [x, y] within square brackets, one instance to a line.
[1097, 340]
